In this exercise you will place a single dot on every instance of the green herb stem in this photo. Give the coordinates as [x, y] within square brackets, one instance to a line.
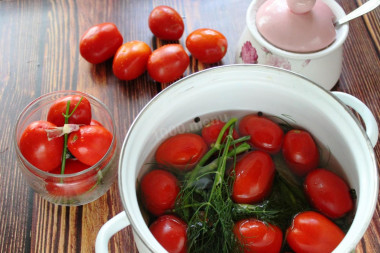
[216, 147]
[63, 165]
[67, 115]
[212, 166]
[224, 129]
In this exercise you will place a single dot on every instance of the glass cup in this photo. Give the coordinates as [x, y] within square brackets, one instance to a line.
[69, 189]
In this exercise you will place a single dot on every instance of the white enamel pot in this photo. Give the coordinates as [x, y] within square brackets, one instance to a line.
[221, 90]
[322, 67]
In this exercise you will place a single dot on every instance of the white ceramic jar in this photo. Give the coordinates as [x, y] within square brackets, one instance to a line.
[322, 67]
[223, 91]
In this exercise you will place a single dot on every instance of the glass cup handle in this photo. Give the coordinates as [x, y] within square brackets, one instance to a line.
[369, 120]
[111, 227]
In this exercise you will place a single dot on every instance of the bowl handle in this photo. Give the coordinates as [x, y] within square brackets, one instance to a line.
[369, 120]
[111, 227]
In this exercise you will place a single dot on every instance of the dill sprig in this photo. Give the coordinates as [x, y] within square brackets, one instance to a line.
[208, 213]
[205, 203]
[67, 115]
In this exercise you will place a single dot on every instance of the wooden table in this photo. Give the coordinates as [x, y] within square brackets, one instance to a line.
[39, 54]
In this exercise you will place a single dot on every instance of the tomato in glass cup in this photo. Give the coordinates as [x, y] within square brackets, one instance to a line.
[71, 186]
[36, 147]
[81, 115]
[69, 182]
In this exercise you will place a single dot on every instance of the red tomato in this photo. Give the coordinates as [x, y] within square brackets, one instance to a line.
[170, 232]
[165, 23]
[328, 193]
[182, 151]
[82, 114]
[71, 186]
[100, 42]
[312, 232]
[168, 63]
[89, 144]
[254, 175]
[159, 190]
[207, 45]
[130, 60]
[95, 123]
[210, 132]
[37, 149]
[300, 152]
[257, 236]
[265, 134]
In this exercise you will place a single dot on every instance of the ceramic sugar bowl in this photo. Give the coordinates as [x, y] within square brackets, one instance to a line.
[297, 35]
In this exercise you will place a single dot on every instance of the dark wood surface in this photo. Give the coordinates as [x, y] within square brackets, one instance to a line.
[39, 54]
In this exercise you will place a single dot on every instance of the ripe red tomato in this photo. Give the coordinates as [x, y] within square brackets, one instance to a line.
[95, 123]
[159, 190]
[210, 132]
[165, 23]
[257, 236]
[328, 193]
[89, 144]
[168, 63]
[265, 134]
[300, 152]
[82, 114]
[254, 175]
[312, 232]
[182, 151]
[130, 60]
[170, 232]
[37, 149]
[71, 186]
[100, 42]
[207, 45]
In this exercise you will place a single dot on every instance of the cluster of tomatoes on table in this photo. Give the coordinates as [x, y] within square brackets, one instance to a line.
[310, 231]
[66, 146]
[165, 64]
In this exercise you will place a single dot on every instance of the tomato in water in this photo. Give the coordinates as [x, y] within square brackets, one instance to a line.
[131, 60]
[257, 236]
[168, 63]
[81, 115]
[159, 189]
[100, 42]
[254, 175]
[165, 23]
[300, 152]
[311, 232]
[328, 193]
[210, 132]
[181, 151]
[72, 186]
[89, 144]
[265, 134]
[34, 145]
[207, 45]
[170, 232]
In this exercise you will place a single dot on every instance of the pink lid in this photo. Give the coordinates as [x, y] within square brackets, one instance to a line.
[301, 26]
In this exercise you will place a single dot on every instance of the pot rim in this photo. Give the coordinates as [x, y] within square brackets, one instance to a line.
[147, 238]
[341, 34]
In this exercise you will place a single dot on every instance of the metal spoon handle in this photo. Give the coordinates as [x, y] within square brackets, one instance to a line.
[363, 9]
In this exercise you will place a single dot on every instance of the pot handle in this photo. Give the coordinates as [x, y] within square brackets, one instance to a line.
[111, 227]
[369, 120]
